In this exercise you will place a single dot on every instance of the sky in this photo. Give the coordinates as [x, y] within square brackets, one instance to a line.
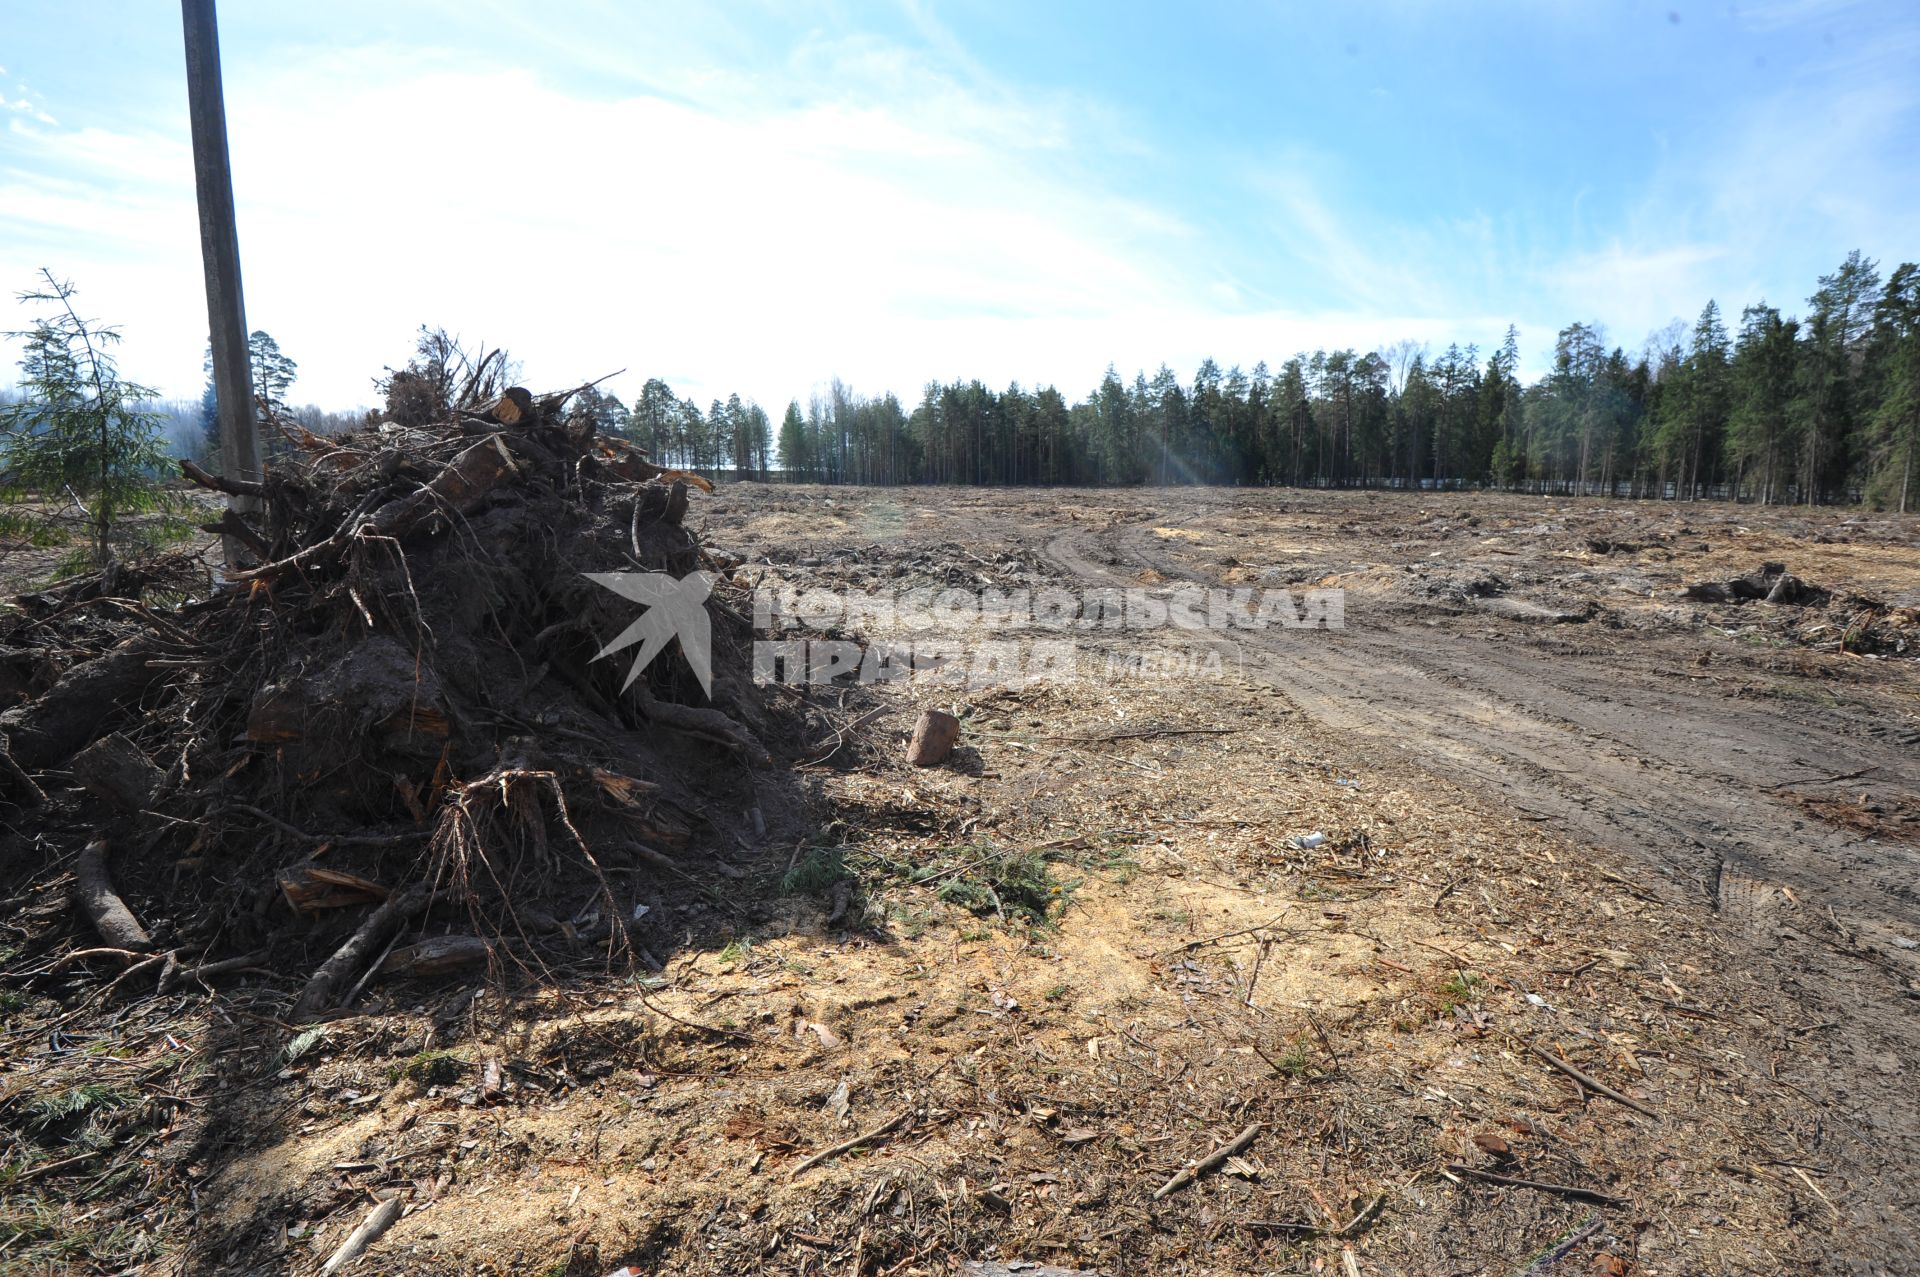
[755, 197]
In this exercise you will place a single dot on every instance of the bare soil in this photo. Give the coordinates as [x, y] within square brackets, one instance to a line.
[1671, 843]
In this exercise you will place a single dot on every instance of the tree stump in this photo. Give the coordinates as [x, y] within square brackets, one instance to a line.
[934, 737]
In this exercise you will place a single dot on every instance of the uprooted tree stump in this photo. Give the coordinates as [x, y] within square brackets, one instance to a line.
[405, 682]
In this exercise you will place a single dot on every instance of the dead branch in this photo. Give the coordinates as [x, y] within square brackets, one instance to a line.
[349, 957]
[1564, 1190]
[232, 525]
[1187, 1175]
[221, 483]
[31, 795]
[844, 1146]
[1592, 1084]
[1214, 939]
[208, 970]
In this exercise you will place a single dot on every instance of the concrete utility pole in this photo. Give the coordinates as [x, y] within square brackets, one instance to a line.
[220, 251]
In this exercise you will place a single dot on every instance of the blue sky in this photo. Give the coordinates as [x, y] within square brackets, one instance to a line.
[759, 196]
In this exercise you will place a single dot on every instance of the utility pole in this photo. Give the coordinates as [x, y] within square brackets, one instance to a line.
[220, 252]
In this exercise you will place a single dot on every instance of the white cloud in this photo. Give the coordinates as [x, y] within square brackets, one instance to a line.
[862, 209]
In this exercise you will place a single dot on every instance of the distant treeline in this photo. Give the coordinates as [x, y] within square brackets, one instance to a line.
[1820, 409]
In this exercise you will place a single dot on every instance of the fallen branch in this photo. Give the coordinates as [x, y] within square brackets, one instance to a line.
[1363, 1219]
[364, 1236]
[667, 865]
[846, 1146]
[232, 525]
[31, 793]
[82, 955]
[221, 483]
[1187, 1175]
[349, 957]
[1825, 780]
[1564, 1190]
[207, 970]
[1592, 1084]
[93, 892]
[1224, 935]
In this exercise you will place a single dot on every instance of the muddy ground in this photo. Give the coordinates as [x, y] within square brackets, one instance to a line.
[1567, 813]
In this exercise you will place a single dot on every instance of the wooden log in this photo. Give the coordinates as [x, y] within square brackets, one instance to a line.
[436, 956]
[934, 736]
[113, 768]
[93, 892]
[514, 407]
[360, 946]
[45, 731]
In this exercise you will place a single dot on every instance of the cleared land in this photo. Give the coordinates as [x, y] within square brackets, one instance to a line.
[1570, 816]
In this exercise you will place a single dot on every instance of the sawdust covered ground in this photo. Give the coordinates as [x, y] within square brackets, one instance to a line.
[1091, 948]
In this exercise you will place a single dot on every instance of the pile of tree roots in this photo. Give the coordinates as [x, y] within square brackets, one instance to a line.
[377, 741]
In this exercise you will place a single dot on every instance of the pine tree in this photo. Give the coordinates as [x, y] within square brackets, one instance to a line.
[79, 429]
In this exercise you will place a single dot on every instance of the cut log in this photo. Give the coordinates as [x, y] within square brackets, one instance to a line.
[436, 956]
[360, 946]
[93, 892]
[47, 730]
[514, 407]
[934, 737]
[113, 768]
